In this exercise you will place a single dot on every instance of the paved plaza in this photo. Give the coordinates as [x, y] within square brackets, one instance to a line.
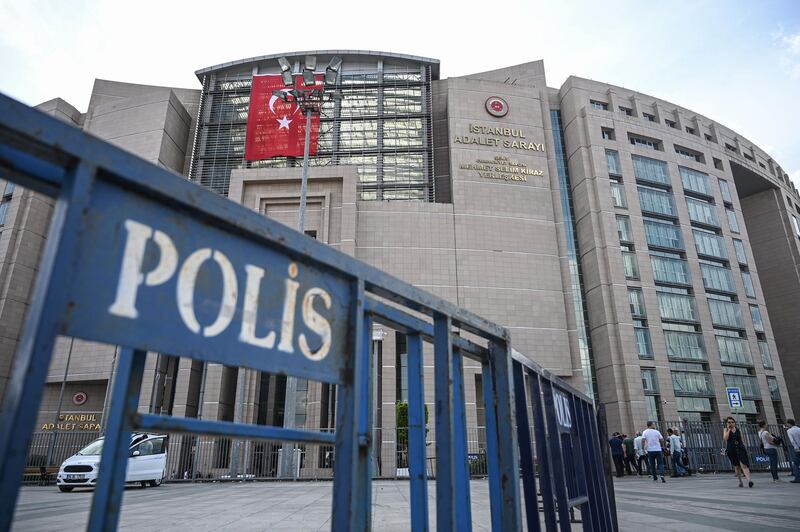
[710, 502]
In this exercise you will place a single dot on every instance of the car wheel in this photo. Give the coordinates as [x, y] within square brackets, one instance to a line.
[156, 483]
[144, 483]
[66, 489]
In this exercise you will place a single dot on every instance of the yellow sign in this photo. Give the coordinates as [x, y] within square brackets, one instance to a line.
[501, 168]
[501, 137]
[74, 422]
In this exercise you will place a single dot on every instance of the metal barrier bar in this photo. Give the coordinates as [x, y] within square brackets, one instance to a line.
[526, 450]
[581, 473]
[48, 303]
[507, 463]
[460, 449]
[227, 428]
[543, 453]
[445, 477]
[492, 446]
[554, 445]
[107, 500]
[416, 435]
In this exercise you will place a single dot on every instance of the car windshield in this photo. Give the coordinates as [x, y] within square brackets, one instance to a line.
[93, 449]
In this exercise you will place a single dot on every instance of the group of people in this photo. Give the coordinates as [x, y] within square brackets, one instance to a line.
[736, 449]
[645, 453]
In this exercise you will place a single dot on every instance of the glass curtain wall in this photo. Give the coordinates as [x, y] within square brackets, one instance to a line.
[382, 126]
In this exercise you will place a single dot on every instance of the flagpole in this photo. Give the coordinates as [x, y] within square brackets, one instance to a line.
[304, 181]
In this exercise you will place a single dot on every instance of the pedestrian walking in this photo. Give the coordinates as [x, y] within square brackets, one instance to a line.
[736, 451]
[770, 444]
[793, 433]
[654, 444]
[676, 450]
[617, 453]
[641, 454]
[630, 455]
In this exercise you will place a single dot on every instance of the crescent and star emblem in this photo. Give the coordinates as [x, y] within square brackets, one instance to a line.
[284, 121]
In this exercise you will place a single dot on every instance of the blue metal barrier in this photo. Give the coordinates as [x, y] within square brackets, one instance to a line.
[140, 257]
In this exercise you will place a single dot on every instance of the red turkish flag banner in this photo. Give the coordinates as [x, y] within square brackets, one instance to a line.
[277, 128]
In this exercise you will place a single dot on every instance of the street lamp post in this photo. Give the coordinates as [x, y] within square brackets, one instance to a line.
[310, 99]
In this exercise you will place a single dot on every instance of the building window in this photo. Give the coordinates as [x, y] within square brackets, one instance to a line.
[733, 348]
[717, 278]
[656, 201]
[5, 202]
[725, 188]
[702, 212]
[733, 223]
[691, 383]
[684, 344]
[690, 130]
[718, 164]
[645, 142]
[749, 289]
[694, 408]
[708, 137]
[741, 256]
[766, 359]
[651, 170]
[796, 225]
[624, 229]
[758, 323]
[663, 234]
[671, 123]
[643, 346]
[694, 181]
[652, 399]
[741, 378]
[618, 195]
[636, 300]
[649, 117]
[612, 160]
[775, 395]
[607, 133]
[709, 244]
[726, 313]
[692, 155]
[676, 307]
[629, 263]
[670, 270]
[602, 106]
[626, 110]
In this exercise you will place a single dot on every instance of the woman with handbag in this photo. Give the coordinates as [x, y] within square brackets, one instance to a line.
[736, 451]
[770, 444]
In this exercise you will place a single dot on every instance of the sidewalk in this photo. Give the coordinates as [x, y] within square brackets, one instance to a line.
[708, 502]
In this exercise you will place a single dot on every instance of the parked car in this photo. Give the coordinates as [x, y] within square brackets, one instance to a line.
[147, 463]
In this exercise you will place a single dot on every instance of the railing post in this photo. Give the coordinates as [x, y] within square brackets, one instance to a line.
[460, 451]
[443, 359]
[526, 450]
[48, 304]
[416, 436]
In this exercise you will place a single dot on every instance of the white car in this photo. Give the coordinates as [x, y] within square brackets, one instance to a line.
[147, 463]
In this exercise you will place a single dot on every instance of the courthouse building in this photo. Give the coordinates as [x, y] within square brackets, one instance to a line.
[643, 252]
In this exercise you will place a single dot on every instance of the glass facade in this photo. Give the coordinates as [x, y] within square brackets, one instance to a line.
[746, 383]
[709, 244]
[766, 358]
[725, 189]
[643, 344]
[624, 229]
[734, 350]
[717, 278]
[383, 126]
[670, 270]
[682, 345]
[733, 223]
[618, 195]
[755, 314]
[657, 201]
[726, 313]
[652, 170]
[636, 300]
[702, 212]
[741, 256]
[630, 265]
[692, 383]
[676, 307]
[612, 158]
[749, 289]
[694, 181]
[575, 274]
[663, 234]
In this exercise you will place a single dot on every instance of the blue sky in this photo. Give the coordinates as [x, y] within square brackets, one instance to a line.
[736, 62]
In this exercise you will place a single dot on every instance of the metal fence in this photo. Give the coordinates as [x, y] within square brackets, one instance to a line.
[705, 446]
[202, 458]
